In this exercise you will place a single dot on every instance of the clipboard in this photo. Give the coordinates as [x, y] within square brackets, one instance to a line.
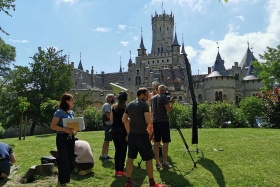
[76, 124]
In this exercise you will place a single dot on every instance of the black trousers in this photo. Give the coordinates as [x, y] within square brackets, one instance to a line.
[120, 150]
[65, 147]
[83, 166]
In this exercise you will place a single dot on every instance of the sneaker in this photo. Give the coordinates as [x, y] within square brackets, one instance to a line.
[158, 185]
[84, 172]
[108, 157]
[158, 166]
[121, 174]
[102, 158]
[166, 166]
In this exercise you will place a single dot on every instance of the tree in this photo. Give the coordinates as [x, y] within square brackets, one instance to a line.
[252, 108]
[269, 71]
[48, 78]
[7, 56]
[5, 6]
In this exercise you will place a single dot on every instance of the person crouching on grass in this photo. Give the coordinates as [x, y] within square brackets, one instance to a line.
[136, 118]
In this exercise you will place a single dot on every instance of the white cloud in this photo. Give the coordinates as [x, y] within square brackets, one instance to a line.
[240, 17]
[19, 41]
[135, 38]
[125, 43]
[233, 46]
[102, 29]
[66, 1]
[122, 27]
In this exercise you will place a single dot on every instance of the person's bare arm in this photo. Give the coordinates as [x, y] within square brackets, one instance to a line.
[148, 117]
[170, 106]
[108, 114]
[12, 158]
[126, 121]
[55, 127]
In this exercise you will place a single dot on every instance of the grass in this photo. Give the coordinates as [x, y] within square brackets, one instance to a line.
[250, 157]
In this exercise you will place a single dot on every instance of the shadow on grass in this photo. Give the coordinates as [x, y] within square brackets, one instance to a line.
[211, 166]
[79, 177]
[138, 176]
[174, 176]
[43, 135]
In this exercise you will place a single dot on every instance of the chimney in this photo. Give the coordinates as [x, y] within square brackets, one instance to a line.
[209, 70]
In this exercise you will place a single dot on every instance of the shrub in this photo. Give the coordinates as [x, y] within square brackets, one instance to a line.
[180, 116]
[92, 118]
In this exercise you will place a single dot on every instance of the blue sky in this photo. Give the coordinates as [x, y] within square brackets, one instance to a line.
[104, 31]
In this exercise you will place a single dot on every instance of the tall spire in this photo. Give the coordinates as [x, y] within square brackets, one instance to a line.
[80, 67]
[142, 43]
[183, 47]
[120, 64]
[175, 41]
[130, 61]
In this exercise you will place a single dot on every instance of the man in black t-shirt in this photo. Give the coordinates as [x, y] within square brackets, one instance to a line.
[136, 119]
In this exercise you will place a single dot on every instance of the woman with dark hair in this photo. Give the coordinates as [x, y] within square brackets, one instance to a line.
[119, 134]
[65, 141]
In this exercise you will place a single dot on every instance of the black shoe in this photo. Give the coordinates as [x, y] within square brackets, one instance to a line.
[108, 157]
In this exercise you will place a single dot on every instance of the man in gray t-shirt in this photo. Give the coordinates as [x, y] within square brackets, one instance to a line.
[107, 125]
[159, 108]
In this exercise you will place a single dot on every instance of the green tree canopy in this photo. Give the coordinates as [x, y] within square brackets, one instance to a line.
[47, 78]
[6, 6]
[269, 70]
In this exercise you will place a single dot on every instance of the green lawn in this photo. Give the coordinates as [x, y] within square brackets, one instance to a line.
[250, 157]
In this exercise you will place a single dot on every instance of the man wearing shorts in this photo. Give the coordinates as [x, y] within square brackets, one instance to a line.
[107, 125]
[136, 118]
[159, 108]
[7, 158]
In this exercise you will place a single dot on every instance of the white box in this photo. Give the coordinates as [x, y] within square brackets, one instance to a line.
[76, 124]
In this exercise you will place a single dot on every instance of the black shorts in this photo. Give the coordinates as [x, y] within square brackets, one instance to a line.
[161, 132]
[139, 143]
[5, 167]
[107, 134]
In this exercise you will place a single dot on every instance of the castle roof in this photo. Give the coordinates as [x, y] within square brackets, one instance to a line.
[183, 49]
[80, 67]
[219, 66]
[250, 74]
[247, 59]
[142, 43]
[175, 41]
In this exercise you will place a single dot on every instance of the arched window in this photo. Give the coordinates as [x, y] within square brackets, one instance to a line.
[158, 49]
[161, 49]
[200, 100]
[224, 97]
[180, 98]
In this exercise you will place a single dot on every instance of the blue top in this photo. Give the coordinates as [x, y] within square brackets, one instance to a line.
[5, 151]
[62, 114]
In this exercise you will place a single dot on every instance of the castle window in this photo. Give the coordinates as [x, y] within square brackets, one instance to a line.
[167, 28]
[148, 62]
[218, 96]
[162, 61]
[158, 49]
[167, 60]
[180, 98]
[160, 29]
[153, 62]
[161, 49]
[200, 98]
[157, 61]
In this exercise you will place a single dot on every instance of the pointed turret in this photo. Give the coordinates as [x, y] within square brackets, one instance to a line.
[120, 65]
[142, 49]
[247, 59]
[183, 47]
[175, 41]
[130, 61]
[219, 66]
[80, 66]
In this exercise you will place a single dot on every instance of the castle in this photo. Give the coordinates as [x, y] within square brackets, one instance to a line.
[165, 64]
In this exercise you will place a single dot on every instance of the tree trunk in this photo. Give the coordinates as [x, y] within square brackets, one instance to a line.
[32, 129]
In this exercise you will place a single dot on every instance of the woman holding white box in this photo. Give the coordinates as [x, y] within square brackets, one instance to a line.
[65, 141]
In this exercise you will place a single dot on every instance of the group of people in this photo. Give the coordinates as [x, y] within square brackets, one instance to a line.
[128, 127]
